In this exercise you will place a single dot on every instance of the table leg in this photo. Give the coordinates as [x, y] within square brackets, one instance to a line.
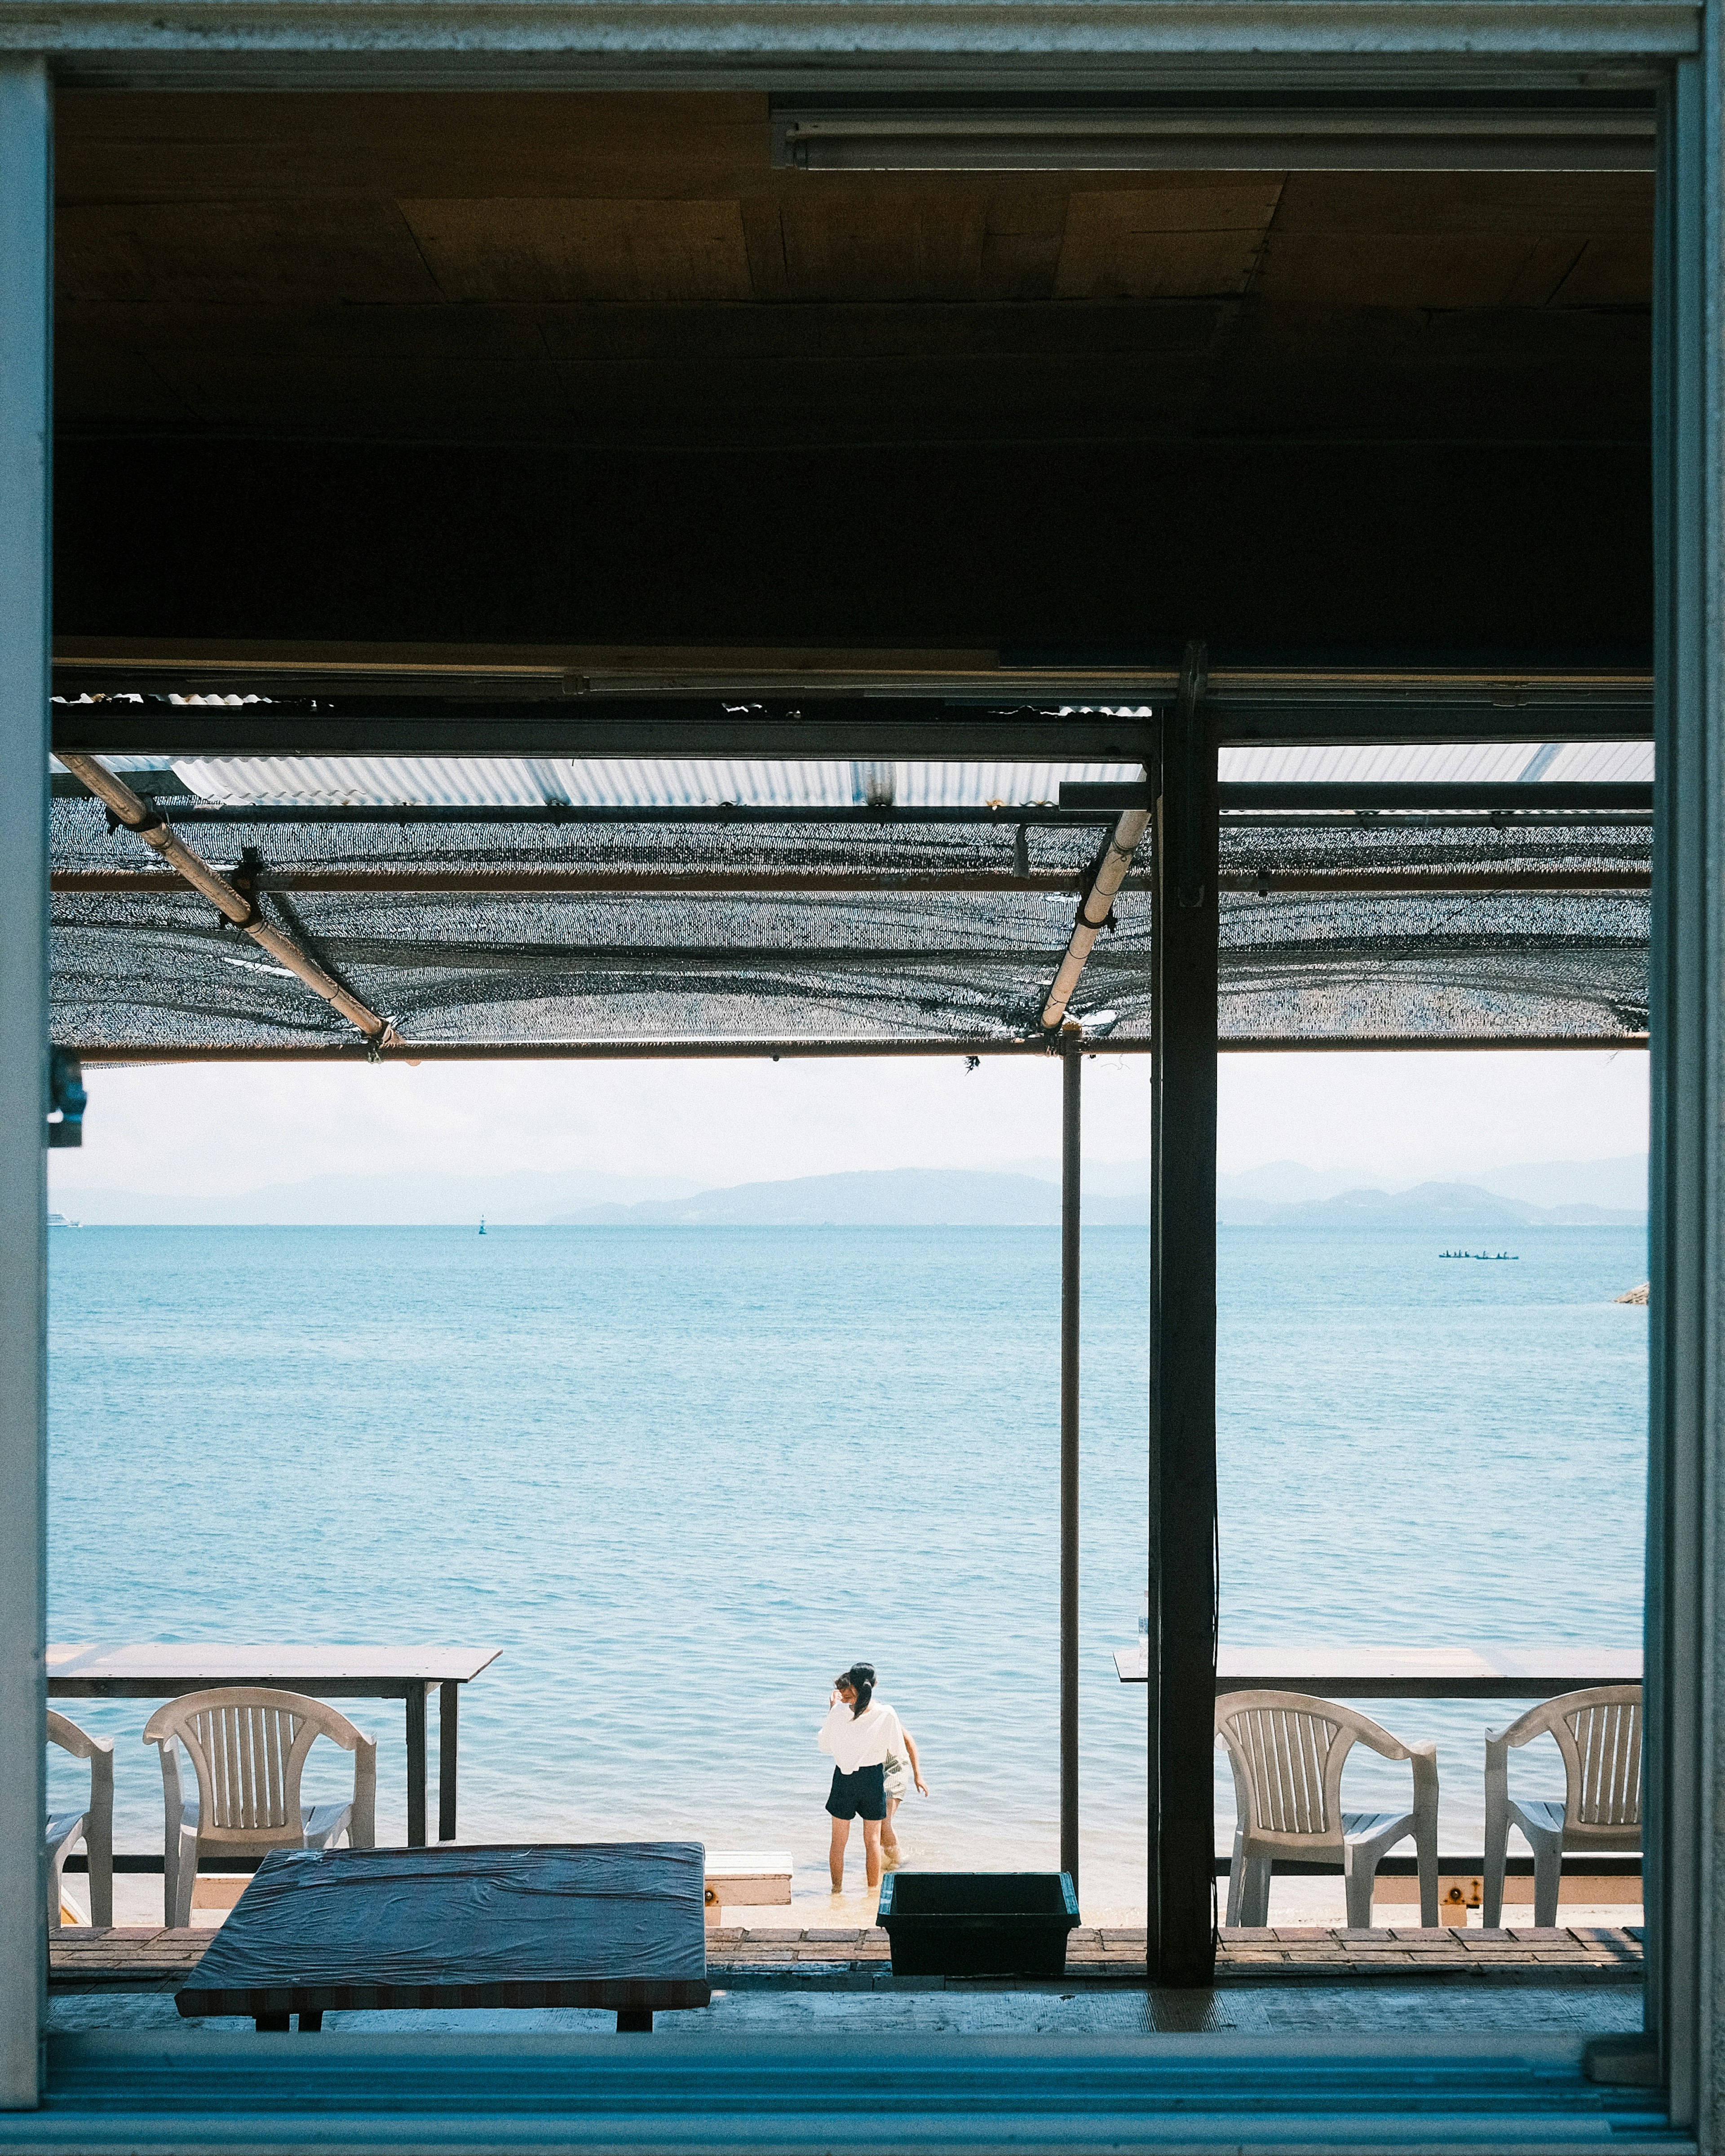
[448, 1733]
[416, 1766]
[312, 2024]
[634, 2020]
[271, 2025]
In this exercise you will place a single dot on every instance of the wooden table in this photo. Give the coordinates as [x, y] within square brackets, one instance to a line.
[619, 1925]
[1479, 1672]
[165, 1670]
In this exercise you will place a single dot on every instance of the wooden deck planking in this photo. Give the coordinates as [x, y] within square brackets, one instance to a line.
[150, 1957]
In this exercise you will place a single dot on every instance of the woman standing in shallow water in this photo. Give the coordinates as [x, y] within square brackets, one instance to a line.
[858, 1734]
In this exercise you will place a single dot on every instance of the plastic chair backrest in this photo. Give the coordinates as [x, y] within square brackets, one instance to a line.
[1598, 1733]
[1287, 1751]
[71, 1738]
[248, 1747]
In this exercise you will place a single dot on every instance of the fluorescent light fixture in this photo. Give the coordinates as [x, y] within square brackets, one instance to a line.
[1555, 138]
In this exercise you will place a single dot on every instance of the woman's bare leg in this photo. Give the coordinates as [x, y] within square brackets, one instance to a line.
[841, 1834]
[889, 1831]
[871, 1850]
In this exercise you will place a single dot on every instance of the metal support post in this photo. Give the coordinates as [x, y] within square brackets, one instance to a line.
[26, 274]
[1071, 1159]
[1182, 1344]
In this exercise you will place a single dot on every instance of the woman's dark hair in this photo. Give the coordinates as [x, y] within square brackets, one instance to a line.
[860, 1677]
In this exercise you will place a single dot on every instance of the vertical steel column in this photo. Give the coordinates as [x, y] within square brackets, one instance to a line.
[1071, 1186]
[1685, 1798]
[26, 283]
[1182, 1344]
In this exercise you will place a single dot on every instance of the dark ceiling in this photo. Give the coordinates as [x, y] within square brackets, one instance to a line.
[525, 367]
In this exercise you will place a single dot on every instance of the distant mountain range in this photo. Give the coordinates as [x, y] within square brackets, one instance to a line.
[968, 1198]
[1283, 1193]
[1441, 1205]
[1577, 1193]
[870, 1197]
[525, 1197]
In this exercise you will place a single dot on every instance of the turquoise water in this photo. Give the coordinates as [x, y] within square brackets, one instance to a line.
[680, 1476]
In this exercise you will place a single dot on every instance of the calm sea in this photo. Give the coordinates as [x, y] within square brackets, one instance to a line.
[680, 1476]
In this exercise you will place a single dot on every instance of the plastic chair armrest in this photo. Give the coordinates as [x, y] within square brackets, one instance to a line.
[363, 1827]
[1424, 1757]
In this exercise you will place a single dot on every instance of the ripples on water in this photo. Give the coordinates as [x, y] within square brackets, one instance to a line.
[680, 1476]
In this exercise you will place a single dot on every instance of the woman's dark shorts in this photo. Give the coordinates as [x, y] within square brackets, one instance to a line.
[860, 1796]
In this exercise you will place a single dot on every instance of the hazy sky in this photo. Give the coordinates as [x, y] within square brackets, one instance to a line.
[211, 1129]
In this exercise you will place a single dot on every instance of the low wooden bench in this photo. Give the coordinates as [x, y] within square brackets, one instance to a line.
[598, 1924]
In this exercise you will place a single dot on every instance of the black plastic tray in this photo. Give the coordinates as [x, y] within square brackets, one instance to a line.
[979, 1923]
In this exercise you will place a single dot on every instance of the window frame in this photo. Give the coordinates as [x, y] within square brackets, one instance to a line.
[1373, 47]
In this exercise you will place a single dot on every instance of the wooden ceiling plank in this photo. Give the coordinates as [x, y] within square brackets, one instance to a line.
[1124, 246]
[1412, 268]
[851, 244]
[239, 253]
[1610, 271]
[633, 251]
[1505, 203]
[235, 146]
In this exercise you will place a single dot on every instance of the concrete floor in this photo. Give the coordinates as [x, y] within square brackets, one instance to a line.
[1376, 2007]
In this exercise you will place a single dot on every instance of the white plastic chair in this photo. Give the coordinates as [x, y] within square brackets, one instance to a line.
[248, 1747]
[93, 1827]
[1598, 1733]
[1287, 1751]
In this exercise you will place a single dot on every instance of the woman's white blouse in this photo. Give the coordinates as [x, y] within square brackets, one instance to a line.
[861, 1740]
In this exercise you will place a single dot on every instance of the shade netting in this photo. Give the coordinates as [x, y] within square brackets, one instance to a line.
[1517, 929]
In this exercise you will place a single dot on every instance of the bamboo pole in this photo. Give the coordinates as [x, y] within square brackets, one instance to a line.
[233, 904]
[1093, 910]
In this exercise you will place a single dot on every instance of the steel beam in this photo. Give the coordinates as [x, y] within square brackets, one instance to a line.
[96, 1055]
[1072, 1202]
[1356, 796]
[882, 729]
[884, 721]
[1182, 1344]
[26, 274]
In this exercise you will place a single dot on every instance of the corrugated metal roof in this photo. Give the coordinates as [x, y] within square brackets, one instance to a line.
[465, 782]
[1452, 763]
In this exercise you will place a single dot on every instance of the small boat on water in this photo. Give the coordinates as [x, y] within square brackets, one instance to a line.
[1486, 1257]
